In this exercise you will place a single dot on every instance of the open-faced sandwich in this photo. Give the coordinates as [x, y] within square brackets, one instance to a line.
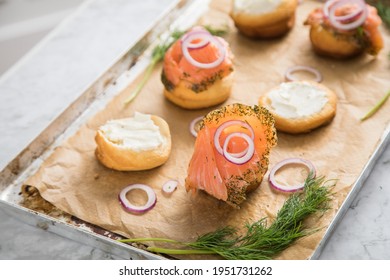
[231, 152]
[198, 70]
[345, 28]
[300, 106]
[264, 18]
[137, 143]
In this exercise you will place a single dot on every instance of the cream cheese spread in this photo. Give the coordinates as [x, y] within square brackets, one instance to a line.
[255, 6]
[296, 100]
[138, 133]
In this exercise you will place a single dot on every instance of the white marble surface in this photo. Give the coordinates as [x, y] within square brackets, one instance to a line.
[45, 82]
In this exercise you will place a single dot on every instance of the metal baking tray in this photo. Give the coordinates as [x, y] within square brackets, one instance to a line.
[94, 98]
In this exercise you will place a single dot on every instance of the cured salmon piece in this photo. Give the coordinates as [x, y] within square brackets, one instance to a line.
[177, 68]
[328, 39]
[222, 174]
[198, 70]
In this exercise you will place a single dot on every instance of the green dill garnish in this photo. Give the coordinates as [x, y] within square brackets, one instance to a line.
[158, 54]
[376, 107]
[360, 31]
[260, 241]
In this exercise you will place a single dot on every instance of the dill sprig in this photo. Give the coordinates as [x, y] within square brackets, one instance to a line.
[159, 51]
[376, 107]
[260, 241]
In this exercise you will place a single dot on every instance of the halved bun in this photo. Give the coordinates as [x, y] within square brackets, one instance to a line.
[328, 40]
[304, 123]
[198, 77]
[324, 42]
[216, 93]
[268, 24]
[123, 158]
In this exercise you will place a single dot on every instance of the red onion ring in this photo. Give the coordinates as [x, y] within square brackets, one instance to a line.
[249, 151]
[134, 208]
[359, 16]
[240, 154]
[290, 77]
[219, 130]
[193, 124]
[186, 45]
[348, 17]
[199, 45]
[170, 186]
[285, 162]
[327, 5]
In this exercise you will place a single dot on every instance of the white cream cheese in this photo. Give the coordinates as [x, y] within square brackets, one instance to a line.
[138, 133]
[255, 6]
[296, 100]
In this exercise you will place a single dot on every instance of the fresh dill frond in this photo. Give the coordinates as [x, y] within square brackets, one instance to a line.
[376, 107]
[218, 240]
[159, 51]
[260, 240]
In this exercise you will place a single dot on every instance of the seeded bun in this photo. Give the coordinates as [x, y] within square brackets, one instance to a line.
[215, 94]
[271, 24]
[123, 158]
[303, 124]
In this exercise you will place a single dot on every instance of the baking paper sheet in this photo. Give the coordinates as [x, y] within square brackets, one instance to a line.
[74, 181]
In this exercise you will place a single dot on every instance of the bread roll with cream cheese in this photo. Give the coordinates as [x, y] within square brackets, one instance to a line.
[264, 18]
[300, 106]
[138, 143]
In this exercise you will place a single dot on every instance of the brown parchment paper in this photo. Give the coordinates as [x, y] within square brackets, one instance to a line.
[74, 181]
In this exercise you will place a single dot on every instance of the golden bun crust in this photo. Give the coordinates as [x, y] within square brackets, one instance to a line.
[266, 25]
[324, 42]
[215, 94]
[125, 159]
[307, 123]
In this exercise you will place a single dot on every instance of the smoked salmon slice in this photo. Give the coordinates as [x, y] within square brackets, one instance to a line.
[222, 174]
[367, 36]
[198, 70]
[176, 68]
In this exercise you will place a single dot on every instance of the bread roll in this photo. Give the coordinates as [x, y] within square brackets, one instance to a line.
[201, 76]
[324, 42]
[264, 18]
[300, 106]
[215, 94]
[138, 143]
[331, 41]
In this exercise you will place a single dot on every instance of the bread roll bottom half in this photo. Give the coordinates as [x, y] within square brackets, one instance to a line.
[124, 158]
[304, 119]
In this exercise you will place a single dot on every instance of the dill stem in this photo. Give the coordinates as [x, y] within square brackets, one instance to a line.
[376, 107]
[146, 77]
[157, 239]
[180, 251]
[260, 241]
